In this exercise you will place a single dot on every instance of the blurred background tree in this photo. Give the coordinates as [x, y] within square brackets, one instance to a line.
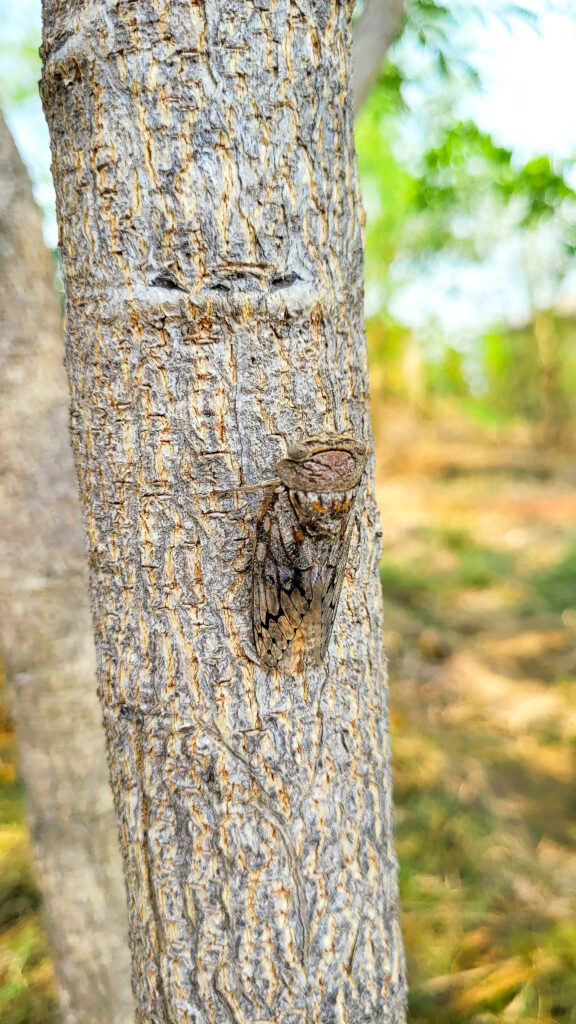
[47, 648]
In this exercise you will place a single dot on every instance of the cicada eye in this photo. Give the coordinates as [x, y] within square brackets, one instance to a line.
[297, 451]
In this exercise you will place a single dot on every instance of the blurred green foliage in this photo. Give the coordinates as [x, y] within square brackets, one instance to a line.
[555, 585]
[19, 69]
[531, 373]
[436, 186]
[466, 167]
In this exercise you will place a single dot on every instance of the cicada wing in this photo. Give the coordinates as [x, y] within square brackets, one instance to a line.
[297, 579]
[329, 588]
[282, 588]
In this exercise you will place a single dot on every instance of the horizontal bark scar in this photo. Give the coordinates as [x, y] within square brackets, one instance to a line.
[168, 282]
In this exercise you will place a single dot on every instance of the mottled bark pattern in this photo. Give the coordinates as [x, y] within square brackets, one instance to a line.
[211, 250]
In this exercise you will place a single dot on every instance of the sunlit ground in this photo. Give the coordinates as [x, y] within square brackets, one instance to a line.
[479, 578]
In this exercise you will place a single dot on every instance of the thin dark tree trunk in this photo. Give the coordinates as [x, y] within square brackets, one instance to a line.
[45, 629]
[211, 251]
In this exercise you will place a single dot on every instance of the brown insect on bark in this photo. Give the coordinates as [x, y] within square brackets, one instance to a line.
[301, 545]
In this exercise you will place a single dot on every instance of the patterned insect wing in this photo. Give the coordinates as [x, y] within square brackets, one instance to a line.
[301, 546]
[333, 580]
[282, 577]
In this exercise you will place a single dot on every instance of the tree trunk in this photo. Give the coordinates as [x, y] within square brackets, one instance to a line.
[45, 629]
[211, 250]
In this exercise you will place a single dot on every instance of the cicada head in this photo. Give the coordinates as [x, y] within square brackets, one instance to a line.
[323, 464]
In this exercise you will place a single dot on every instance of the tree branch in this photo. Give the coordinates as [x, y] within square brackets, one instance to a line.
[373, 35]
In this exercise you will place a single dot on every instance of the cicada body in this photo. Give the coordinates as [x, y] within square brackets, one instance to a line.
[301, 546]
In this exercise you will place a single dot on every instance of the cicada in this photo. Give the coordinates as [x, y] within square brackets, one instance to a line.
[301, 546]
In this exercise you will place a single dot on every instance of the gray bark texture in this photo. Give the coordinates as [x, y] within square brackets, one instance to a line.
[45, 628]
[375, 32]
[211, 249]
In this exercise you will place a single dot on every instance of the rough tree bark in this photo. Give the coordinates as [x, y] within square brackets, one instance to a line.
[45, 628]
[375, 32]
[211, 250]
